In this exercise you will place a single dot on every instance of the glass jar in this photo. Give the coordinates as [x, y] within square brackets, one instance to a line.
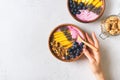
[110, 26]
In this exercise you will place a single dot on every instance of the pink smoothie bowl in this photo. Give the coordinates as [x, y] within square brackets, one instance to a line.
[86, 12]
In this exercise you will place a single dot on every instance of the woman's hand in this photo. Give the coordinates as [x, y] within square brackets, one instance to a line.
[94, 57]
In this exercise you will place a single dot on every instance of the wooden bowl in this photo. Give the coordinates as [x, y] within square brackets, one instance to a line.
[76, 18]
[52, 38]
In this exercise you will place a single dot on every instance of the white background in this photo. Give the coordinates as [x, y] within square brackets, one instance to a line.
[25, 26]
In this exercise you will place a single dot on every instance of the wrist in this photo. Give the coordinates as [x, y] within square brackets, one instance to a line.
[99, 75]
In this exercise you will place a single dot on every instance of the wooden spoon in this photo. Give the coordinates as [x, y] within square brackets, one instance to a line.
[89, 45]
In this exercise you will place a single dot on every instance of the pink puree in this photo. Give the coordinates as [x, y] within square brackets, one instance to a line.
[75, 33]
[86, 15]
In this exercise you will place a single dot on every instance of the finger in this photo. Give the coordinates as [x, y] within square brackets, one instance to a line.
[89, 39]
[97, 57]
[87, 54]
[95, 40]
[97, 54]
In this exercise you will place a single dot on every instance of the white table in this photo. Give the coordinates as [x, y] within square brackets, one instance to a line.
[25, 26]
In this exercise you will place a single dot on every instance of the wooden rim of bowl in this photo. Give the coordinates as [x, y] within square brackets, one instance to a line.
[87, 21]
[49, 40]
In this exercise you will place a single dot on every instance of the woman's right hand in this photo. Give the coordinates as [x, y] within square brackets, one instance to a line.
[94, 57]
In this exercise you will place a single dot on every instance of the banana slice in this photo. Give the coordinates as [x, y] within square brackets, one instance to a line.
[60, 40]
[59, 36]
[99, 4]
[58, 33]
[65, 44]
[79, 1]
[86, 2]
[95, 2]
[68, 46]
[90, 1]
[83, 1]
[62, 37]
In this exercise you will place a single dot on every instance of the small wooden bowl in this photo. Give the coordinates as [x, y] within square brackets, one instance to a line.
[51, 35]
[87, 21]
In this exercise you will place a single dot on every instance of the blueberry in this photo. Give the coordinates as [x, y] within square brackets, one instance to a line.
[80, 48]
[79, 7]
[72, 56]
[74, 5]
[78, 12]
[70, 1]
[73, 48]
[74, 13]
[81, 4]
[77, 54]
[71, 53]
[84, 8]
[67, 57]
[75, 10]
[69, 50]
[75, 51]
[71, 5]
[81, 44]
[75, 43]
[72, 10]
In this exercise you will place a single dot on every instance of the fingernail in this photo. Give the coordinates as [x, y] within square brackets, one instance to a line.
[86, 34]
[83, 49]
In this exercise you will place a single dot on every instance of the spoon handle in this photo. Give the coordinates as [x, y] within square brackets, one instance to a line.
[89, 45]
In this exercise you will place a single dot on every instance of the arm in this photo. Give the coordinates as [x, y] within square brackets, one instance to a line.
[94, 57]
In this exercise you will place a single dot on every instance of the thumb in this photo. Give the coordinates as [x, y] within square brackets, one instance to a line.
[87, 54]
